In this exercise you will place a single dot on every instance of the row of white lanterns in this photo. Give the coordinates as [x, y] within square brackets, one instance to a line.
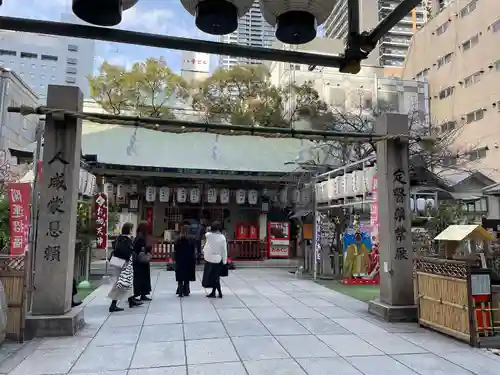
[193, 195]
[348, 185]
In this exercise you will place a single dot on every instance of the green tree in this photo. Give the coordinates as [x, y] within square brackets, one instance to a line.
[244, 95]
[146, 89]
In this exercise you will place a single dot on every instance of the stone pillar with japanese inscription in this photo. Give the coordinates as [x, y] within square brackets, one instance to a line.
[55, 243]
[396, 252]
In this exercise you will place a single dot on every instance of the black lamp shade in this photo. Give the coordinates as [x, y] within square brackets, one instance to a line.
[296, 27]
[99, 12]
[216, 17]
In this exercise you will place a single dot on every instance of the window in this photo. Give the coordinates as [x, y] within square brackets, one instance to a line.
[497, 65]
[495, 27]
[448, 126]
[450, 160]
[49, 57]
[479, 153]
[444, 60]
[443, 94]
[52, 78]
[472, 42]
[442, 29]
[473, 78]
[474, 116]
[423, 74]
[28, 55]
[6, 52]
[42, 76]
[71, 61]
[71, 70]
[468, 9]
[72, 47]
[70, 80]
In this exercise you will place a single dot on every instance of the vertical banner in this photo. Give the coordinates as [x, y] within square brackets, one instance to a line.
[149, 219]
[101, 220]
[19, 217]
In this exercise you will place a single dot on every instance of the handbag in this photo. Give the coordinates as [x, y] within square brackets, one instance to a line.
[126, 277]
[117, 262]
[144, 257]
[224, 270]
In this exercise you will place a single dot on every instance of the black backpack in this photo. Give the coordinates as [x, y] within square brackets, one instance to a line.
[122, 248]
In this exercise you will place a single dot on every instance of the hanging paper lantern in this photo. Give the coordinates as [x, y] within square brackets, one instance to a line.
[224, 196]
[341, 184]
[284, 196]
[194, 195]
[108, 186]
[91, 185]
[164, 195]
[253, 196]
[150, 193]
[296, 21]
[240, 196]
[217, 17]
[181, 195]
[412, 204]
[336, 188]
[330, 189]
[305, 196]
[357, 182]
[420, 205]
[120, 191]
[348, 185]
[212, 195]
[368, 178]
[101, 12]
[429, 203]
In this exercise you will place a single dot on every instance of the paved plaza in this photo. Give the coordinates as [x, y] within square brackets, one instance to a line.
[267, 323]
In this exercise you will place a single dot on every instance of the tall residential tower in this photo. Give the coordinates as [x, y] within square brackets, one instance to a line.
[393, 47]
[252, 30]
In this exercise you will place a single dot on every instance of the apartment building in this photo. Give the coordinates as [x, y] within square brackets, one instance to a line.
[253, 31]
[458, 54]
[41, 60]
[16, 131]
[352, 93]
[392, 49]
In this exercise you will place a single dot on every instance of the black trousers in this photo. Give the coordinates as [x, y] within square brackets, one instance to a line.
[75, 290]
[184, 286]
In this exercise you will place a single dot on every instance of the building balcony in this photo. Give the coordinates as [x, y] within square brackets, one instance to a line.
[401, 30]
[392, 52]
[395, 41]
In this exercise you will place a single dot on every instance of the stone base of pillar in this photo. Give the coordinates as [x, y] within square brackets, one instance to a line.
[393, 313]
[54, 325]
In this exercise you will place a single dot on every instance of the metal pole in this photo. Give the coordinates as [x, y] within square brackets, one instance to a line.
[316, 238]
[353, 16]
[108, 34]
[30, 263]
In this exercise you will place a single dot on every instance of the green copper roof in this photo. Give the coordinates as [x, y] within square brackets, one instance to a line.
[111, 144]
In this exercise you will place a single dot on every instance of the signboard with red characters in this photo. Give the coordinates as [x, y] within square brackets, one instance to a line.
[278, 234]
[195, 62]
[101, 220]
[19, 204]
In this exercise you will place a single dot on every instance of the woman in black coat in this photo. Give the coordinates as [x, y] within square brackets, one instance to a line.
[185, 261]
[142, 271]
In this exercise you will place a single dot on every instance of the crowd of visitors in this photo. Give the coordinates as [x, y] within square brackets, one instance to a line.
[130, 260]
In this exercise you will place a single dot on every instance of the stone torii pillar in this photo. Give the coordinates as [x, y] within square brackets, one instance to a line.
[51, 313]
[396, 253]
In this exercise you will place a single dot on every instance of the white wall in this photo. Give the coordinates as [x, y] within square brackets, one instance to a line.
[41, 60]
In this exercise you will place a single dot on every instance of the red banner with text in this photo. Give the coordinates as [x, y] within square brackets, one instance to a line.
[101, 220]
[19, 217]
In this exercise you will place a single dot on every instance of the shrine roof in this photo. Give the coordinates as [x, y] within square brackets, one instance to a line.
[111, 144]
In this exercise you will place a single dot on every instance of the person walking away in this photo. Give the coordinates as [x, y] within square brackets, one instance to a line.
[215, 255]
[185, 261]
[120, 264]
[74, 293]
[142, 259]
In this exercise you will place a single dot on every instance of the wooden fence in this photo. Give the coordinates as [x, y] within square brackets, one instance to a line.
[443, 296]
[12, 276]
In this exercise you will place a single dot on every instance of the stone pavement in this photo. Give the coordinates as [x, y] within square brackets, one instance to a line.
[267, 323]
